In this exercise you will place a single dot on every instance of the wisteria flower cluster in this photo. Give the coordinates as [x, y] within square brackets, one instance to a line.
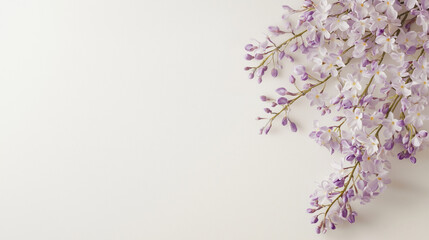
[374, 55]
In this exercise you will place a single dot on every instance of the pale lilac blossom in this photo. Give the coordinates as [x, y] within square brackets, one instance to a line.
[364, 64]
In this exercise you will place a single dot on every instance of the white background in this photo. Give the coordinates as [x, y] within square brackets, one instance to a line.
[127, 119]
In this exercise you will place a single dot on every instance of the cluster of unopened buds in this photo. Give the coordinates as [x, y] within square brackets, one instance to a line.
[374, 55]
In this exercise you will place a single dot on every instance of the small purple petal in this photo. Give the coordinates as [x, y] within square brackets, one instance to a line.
[389, 144]
[423, 133]
[259, 56]
[411, 50]
[304, 77]
[361, 184]
[274, 72]
[282, 101]
[344, 212]
[299, 70]
[290, 58]
[314, 219]
[294, 47]
[318, 229]
[350, 157]
[351, 217]
[284, 121]
[385, 108]
[248, 57]
[268, 129]
[281, 91]
[251, 75]
[339, 182]
[249, 47]
[281, 55]
[293, 126]
[311, 210]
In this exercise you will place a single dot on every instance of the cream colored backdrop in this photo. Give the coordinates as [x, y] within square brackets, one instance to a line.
[127, 119]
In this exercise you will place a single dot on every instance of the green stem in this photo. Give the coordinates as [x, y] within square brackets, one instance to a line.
[271, 53]
[344, 189]
[303, 93]
[365, 91]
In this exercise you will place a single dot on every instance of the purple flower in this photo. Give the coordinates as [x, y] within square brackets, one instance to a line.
[365, 61]
[281, 91]
[299, 70]
[284, 121]
[282, 101]
[293, 127]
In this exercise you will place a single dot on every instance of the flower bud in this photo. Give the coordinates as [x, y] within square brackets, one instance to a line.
[304, 77]
[361, 184]
[422, 133]
[344, 212]
[259, 56]
[294, 47]
[351, 217]
[299, 70]
[274, 29]
[410, 149]
[314, 219]
[411, 50]
[248, 57]
[311, 210]
[350, 193]
[338, 118]
[281, 55]
[406, 139]
[251, 75]
[249, 47]
[318, 229]
[389, 144]
[284, 121]
[350, 157]
[306, 86]
[401, 155]
[385, 108]
[274, 72]
[281, 91]
[268, 129]
[345, 198]
[293, 127]
[282, 101]
[290, 58]
[335, 100]
[359, 158]
[339, 182]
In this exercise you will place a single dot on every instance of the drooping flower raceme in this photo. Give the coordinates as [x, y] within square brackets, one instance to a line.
[375, 53]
